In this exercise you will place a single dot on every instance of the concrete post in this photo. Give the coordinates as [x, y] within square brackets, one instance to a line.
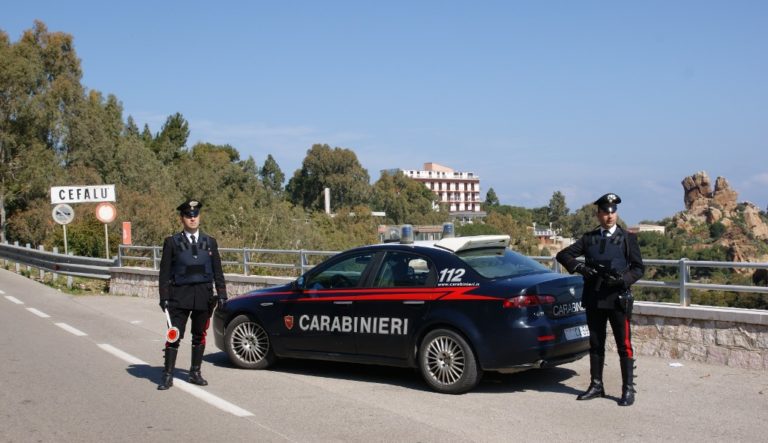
[29, 268]
[54, 275]
[42, 271]
[69, 278]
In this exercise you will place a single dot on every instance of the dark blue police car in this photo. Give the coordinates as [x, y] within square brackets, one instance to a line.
[453, 308]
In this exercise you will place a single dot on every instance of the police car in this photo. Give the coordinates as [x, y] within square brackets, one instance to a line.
[454, 308]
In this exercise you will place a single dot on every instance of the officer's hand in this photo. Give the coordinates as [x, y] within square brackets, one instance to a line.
[615, 281]
[163, 304]
[220, 303]
[585, 270]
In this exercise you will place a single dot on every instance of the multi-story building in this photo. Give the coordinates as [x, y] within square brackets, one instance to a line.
[458, 191]
[646, 228]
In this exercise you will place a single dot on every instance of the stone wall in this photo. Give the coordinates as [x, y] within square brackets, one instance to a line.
[732, 337]
[724, 336]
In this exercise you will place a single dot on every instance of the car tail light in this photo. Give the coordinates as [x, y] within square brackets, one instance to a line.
[525, 301]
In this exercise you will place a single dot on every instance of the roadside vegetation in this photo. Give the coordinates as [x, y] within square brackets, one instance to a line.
[55, 131]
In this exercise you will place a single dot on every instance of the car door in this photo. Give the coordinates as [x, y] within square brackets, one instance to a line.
[390, 311]
[319, 318]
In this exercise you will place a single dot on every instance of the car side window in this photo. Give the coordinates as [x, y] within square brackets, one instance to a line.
[399, 269]
[345, 273]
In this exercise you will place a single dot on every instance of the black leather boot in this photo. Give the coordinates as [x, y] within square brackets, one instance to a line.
[627, 382]
[194, 371]
[595, 388]
[170, 363]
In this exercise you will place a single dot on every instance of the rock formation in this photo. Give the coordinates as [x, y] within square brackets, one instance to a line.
[724, 196]
[699, 197]
[754, 223]
[697, 191]
[707, 205]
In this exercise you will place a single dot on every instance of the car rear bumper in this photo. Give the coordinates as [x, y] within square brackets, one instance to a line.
[540, 356]
[541, 343]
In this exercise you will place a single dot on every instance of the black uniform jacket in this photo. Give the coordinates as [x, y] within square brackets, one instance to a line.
[635, 269]
[195, 296]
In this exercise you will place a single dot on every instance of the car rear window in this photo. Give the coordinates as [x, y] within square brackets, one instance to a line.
[498, 263]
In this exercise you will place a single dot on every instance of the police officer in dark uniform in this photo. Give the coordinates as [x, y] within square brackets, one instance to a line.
[612, 264]
[189, 269]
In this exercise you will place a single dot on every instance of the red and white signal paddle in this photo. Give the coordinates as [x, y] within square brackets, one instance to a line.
[172, 335]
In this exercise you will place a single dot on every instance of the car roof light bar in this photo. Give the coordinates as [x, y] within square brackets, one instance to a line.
[448, 231]
[406, 234]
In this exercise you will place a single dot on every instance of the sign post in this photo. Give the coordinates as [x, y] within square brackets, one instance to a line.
[106, 213]
[63, 214]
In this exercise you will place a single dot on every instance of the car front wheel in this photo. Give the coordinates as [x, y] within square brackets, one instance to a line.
[248, 344]
[448, 363]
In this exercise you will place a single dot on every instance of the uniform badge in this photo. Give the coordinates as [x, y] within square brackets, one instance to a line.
[288, 320]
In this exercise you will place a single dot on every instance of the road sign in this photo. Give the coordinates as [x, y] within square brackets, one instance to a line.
[126, 233]
[82, 194]
[63, 214]
[106, 212]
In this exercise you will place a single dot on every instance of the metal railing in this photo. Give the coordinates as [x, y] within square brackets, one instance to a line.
[299, 261]
[683, 283]
[71, 265]
[295, 262]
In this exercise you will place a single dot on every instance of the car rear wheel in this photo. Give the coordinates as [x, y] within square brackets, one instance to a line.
[448, 363]
[248, 344]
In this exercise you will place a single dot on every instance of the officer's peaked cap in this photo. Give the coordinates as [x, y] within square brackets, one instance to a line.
[608, 202]
[190, 207]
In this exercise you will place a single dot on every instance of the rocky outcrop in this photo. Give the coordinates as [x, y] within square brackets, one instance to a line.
[708, 205]
[699, 197]
[754, 223]
[724, 196]
[697, 191]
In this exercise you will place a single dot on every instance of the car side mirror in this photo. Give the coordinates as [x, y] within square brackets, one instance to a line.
[298, 284]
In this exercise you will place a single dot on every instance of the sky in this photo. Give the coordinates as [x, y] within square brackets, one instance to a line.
[534, 97]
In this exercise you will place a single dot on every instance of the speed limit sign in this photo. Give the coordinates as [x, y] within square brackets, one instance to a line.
[63, 214]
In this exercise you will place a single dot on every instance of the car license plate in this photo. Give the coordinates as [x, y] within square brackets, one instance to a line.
[577, 332]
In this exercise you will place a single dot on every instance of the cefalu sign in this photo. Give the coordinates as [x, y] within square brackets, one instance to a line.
[82, 194]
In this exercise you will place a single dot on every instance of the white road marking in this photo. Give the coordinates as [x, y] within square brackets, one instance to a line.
[211, 399]
[14, 299]
[38, 313]
[71, 330]
[2, 292]
[122, 355]
[135, 322]
[184, 386]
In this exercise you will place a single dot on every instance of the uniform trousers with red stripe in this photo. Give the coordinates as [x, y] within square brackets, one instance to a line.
[200, 320]
[597, 320]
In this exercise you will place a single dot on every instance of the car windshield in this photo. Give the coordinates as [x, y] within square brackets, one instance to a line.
[497, 263]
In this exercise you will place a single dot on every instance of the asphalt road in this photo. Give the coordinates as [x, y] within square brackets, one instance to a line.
[85, 368]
